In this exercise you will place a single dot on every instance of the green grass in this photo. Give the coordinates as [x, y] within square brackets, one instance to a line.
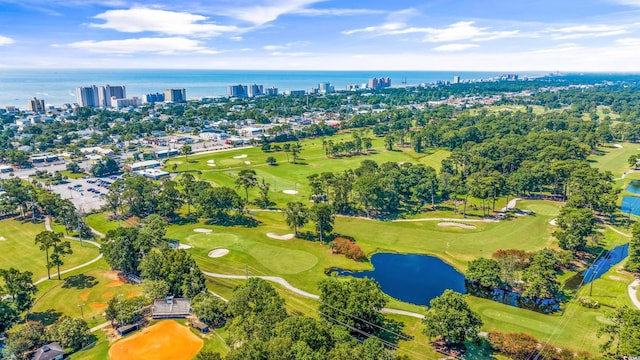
[101, 222]
[71, 175]
[19, 250]
[98, 351]
[615, 159]
[289, 176]
[93, 288]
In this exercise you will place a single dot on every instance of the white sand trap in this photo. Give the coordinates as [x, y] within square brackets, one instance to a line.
[184, 246]
[216, 253]
[240, 156]
[553, 222]
[290, 192]
[247, 162]
[617, 146]
[281, 237]
[211, 164]
[2, 238]
[458, 225]
[204, 231]
[211, 161]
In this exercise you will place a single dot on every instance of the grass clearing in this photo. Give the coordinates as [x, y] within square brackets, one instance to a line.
[18, 249]
[614, 158]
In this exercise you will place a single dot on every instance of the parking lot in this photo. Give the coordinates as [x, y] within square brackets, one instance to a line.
[86, 194]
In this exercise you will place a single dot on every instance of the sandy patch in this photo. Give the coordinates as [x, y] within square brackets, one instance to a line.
[99, 306]
[112, 274]
[247, 162]
[203, 231]
[107, 294]
[240, 156]
[84, 295]
[616, 278]
[216, 253]
[553, 222]
[211, 161]
[166, 340]
[115, 283]
[133, 294]
[211, 165]
[617, 146]
[184, 246]
[290, 192]
[281, 237]
[2, 238]
[458, 225]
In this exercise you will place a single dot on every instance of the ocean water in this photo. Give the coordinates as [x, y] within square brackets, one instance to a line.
[57, 86]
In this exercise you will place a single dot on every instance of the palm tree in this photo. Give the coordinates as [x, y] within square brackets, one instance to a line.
[296, 215]
[246, 179]
[186, 150]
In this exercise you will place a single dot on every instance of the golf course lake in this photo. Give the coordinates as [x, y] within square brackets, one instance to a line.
[412, 278]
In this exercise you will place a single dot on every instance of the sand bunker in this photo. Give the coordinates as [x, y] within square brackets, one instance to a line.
[553, 222]
[204, 231]
[115, 283]
[247, 162]
[617, 146]
[84, 295]
[281, 237]
[216, 253]
[458, 225]
[99, 306]
[290, 192]
[211, 164]
[211, 161]
[2, 238]
[163, 341]
[107, 294]
[240, 156]
[184, 246]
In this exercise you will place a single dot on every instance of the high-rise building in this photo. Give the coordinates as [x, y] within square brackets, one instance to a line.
[456, 79]
[255, 90]
[272, 91]
[88, 96]
[175, 95]
[326, 88]
[239, 91]
[36, 105]
[154, 98]
[107, 95]
[380, 83]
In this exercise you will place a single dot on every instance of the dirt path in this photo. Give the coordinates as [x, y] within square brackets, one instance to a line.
[618, 231]
[510, 205]
[632, 292]
[300, 292]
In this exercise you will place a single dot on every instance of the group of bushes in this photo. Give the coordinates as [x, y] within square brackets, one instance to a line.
[524, 346]
[340, 245]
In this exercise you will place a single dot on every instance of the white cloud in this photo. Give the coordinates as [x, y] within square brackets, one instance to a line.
[627, 2]
[296, 54]
[268, 11]
[455, 47]
[562, 48]
[6, 40]
[286, 46]
[586, 31]
[463, 30]
[273, 47]
[338, 12]
[629, 42]
[136, 20]
[169, 45]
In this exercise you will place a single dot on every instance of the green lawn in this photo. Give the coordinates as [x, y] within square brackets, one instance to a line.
[289, 176]
[93, 287]
[615, 159]
[71, 175]
[101, 222]
[18, 249]
[98, 351]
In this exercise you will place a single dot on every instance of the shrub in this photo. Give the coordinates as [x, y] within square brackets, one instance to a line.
[346, 247]
[515, 345]
[588, 303]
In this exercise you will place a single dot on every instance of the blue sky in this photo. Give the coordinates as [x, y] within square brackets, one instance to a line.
[492, 35]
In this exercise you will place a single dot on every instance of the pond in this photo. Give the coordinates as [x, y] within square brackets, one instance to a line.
[634, 187]
[605, 262]
[412, 278]
[630, 205]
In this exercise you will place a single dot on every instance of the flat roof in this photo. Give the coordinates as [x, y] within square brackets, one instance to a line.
[145, 163]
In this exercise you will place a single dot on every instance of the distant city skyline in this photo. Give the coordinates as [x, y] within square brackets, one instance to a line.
[491, 35]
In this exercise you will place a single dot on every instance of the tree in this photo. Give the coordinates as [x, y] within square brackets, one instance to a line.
[323, 216]
[188, 190]
[575, 225]
[74, 168]
[540, 277]
[633, 261]
[485, 272]
[155, 289]
[519, 346]
[18, 284]
[263, 201]
[208, 355]
[113, 198]
[296, 149]
[217, 202]
[177, 268]
[186, 150]
[246, 179]
[272, 161]
[8, 316]
[125, 311]
[450, 318]
[121, 251]
[104, 166]
[45, 240]
[209, 308]
[623, 330]
[296, 215]
[388, 142]
[169, 199]
[60, 249]
[22, 341]
[355, 303]
[71, 333]
[153, 229]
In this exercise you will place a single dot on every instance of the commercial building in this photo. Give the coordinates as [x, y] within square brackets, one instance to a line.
[175, 95]
[238, 91]
[326, 88]
[88, 96]
[272, 91]
[36, 105]
[380, 83]
[107, 95]
[134, 101]
[255, 90]
[154, 98]
[456, 79]
[294, 92]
